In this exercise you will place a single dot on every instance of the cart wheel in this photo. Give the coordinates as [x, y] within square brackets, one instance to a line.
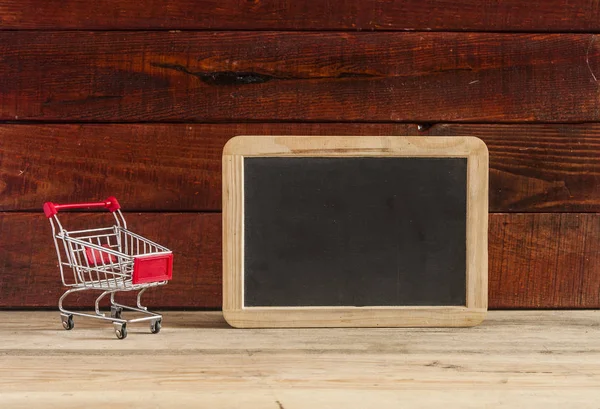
[67, 322]
[121, 331]
[155, 326]
[115, 312]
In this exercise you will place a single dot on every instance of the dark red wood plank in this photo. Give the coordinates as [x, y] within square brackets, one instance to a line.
[539, 168]
[177, 167]
[471, 15]
[544, 260]
[147, 167]
[536, 260]
[29, 274]
[275, 76]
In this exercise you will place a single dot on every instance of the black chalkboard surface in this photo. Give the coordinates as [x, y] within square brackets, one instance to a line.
[355, 231]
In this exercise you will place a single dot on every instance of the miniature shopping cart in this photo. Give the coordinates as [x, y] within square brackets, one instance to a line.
[108, 259]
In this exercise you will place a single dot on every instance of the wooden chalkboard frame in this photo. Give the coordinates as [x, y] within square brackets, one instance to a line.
[240, 147]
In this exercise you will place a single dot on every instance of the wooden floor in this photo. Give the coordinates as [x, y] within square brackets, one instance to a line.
[515, 359]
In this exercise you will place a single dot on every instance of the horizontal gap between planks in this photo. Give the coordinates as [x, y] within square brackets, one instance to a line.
[124, 210]
[295, 30]
[429, 124]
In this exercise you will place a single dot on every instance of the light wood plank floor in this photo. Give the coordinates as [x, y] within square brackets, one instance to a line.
[529, 359]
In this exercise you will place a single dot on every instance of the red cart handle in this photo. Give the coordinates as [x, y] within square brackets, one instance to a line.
[51, 209]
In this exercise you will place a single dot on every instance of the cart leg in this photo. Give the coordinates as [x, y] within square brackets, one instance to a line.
[139, 299]
[66, 317]
[60, 301]
[155, 319]
[115, 312]
[115, 309]
[98, 302]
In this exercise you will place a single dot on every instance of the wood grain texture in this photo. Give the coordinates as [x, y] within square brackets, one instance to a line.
[470, 15]
[545, 260]
[177, 167]
[535, 260]
[275, 76]
[29, 274]
[533, 359]
[147, 167]
[241, 315]
[539, 168]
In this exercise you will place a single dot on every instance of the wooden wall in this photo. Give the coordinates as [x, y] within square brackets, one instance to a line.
[137, 98]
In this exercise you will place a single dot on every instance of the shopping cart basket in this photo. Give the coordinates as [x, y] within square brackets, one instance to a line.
[108, 259]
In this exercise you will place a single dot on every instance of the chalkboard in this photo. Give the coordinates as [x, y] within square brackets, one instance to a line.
[355, 231]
